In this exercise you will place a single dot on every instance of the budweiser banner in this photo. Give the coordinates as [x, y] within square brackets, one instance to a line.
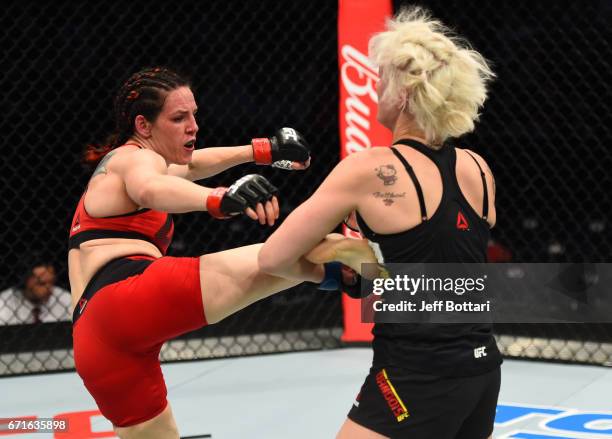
[358, 20]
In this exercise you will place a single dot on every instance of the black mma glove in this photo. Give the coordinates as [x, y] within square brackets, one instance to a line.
[281, 150]
[246, 192]
[339, 277]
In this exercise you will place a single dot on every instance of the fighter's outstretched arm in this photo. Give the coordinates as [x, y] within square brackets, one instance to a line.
[312, 221]
[287, 149]
[207, 162]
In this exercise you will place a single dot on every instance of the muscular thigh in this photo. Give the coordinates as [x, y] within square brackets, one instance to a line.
[231, 280]
[150, 308]
[479, 423]
[128, 387]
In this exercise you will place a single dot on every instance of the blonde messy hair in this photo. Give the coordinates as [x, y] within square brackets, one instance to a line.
[432, 74]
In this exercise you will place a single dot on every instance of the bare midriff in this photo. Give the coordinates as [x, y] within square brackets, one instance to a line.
[92, 255]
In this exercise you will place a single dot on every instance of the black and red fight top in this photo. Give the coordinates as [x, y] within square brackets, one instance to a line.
[149, 225]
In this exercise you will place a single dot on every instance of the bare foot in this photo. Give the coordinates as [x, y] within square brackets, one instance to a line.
[351, 252]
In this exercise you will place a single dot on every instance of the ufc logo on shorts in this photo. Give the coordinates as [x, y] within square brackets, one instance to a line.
[290, 133]
[480, 352]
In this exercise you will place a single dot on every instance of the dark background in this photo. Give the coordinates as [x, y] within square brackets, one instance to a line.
[260, 65]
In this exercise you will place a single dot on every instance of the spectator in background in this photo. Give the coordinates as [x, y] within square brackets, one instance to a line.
[36, 299]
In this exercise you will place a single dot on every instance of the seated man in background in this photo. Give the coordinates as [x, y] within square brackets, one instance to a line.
[36, 300]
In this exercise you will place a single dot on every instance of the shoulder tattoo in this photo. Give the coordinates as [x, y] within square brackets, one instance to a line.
[388, 197]
[387, 174]
[101, 168]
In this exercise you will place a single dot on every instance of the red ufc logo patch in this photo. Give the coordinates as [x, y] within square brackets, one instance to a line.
[462, 223]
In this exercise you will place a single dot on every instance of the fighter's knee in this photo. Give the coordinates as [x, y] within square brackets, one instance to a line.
[166, 431]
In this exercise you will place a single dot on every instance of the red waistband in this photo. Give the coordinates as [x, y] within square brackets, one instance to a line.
[139, 257]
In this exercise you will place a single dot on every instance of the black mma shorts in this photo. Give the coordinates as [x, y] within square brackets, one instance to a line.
[401, 404]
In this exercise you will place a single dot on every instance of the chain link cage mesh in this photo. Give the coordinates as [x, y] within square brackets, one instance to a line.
[257, 66]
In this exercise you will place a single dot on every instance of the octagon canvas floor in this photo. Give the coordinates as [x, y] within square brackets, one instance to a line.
[307, 395]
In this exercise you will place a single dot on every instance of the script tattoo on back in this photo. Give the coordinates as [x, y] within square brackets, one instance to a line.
[388, 175]
[388, 197]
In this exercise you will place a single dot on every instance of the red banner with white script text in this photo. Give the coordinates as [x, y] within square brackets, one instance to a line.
[358, 20]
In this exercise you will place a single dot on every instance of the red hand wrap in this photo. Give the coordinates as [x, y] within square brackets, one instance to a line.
[213, 203]
[262, 151]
